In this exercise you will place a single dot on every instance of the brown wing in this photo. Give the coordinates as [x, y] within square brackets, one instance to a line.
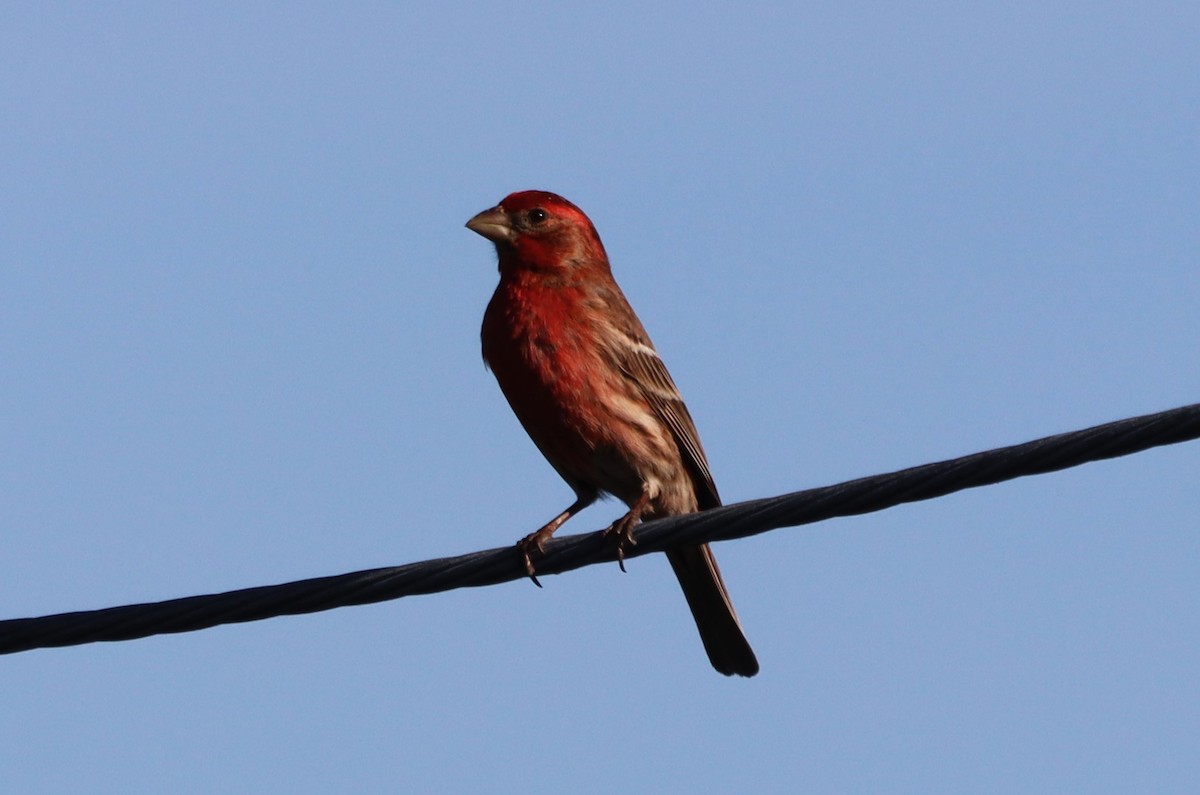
[640, 362]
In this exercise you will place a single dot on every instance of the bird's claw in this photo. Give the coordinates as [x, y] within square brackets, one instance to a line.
[527, 545]
[622, 532]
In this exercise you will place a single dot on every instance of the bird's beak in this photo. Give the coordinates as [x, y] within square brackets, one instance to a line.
[492, 224]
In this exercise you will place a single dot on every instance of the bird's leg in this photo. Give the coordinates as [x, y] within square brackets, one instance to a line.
[537, 539]
[622, 529]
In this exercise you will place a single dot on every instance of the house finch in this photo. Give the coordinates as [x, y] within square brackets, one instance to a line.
[587, 385]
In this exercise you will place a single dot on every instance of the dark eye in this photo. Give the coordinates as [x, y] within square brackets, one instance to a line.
[537, 216]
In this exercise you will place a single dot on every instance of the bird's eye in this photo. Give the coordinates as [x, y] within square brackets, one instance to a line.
[537, 217]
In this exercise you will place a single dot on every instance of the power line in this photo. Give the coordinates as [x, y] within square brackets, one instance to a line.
[494, 566]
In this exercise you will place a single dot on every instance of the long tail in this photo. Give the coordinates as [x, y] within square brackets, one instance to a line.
[726, 644]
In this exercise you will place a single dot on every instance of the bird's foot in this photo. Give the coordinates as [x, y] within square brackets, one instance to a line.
[621, 531]
[534, 542]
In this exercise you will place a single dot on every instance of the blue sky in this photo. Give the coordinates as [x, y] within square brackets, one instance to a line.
[239, 335]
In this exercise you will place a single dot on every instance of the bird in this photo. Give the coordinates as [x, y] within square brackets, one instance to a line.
[583, 378]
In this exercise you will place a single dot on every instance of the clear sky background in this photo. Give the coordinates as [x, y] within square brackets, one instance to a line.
[239, 342]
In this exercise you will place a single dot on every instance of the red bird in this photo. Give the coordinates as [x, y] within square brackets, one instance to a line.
[587, 385]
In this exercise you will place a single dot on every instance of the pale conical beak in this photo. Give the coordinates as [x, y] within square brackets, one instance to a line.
[492, 224]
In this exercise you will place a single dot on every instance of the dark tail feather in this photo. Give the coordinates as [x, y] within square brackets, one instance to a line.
[727, 647]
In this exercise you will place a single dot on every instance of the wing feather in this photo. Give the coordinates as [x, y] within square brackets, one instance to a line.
[639, 361]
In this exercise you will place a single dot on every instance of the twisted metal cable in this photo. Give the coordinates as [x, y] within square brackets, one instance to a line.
[490, 567]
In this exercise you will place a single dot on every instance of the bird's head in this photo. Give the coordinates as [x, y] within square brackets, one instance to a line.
[540, 231]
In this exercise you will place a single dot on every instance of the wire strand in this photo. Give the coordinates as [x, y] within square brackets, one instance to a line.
[493, 566]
